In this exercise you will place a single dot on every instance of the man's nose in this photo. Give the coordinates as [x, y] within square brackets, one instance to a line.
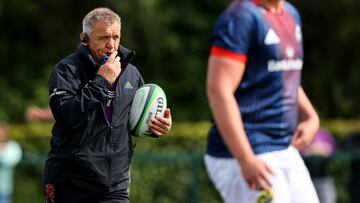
[110, 44]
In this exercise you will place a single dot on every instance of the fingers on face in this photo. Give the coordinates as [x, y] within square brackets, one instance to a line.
[113, 56]
[117, 62]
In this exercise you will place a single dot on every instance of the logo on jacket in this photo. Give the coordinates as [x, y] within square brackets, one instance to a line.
[128, 86]
[57, 92]
[49, 193]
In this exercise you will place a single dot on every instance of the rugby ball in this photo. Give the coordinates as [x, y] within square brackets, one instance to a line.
[149, 101]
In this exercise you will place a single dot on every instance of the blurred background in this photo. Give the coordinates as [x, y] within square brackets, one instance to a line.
[171, 43]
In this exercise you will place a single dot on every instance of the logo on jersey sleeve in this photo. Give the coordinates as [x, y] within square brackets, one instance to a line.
[271, 37]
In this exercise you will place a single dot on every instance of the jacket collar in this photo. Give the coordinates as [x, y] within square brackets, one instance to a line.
[86, 58]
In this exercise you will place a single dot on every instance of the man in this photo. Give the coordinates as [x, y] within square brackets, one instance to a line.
[10, 156]
[90, 99]
[254, 92]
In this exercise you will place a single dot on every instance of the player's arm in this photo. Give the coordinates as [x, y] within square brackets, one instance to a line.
[35, 113]
[224, 76]
[309, 121]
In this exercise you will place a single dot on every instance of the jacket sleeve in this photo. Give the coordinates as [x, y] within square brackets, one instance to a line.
[141, 81]
[70, 102]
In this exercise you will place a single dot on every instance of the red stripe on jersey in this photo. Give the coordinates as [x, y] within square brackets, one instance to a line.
[218, 51]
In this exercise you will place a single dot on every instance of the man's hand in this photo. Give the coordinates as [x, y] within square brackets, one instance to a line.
[111, 69]
[309, 122]
[304, 133]
[256, 173]
[161, 125]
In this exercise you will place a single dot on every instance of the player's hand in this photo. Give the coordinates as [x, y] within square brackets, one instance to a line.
[304, 134]
[111, 69]
[160, 126]
[34, 113]
[257, 173]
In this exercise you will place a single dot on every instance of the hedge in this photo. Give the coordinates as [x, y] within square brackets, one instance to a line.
[166, 170]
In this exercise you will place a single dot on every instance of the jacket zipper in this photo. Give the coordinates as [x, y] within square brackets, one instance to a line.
[109, 156]
[109, 124]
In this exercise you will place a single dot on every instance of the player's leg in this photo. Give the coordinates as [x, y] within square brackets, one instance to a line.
[280, 189]
[325, 188]
[225, 173]
[301, 187]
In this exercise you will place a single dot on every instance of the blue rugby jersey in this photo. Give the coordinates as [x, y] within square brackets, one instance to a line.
[270, 46]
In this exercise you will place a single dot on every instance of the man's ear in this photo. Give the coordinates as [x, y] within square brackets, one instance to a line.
[84, 38]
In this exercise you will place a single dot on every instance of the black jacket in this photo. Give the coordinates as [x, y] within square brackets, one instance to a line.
[85, 148]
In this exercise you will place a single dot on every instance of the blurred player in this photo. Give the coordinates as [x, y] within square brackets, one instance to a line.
[10, 156]
[262, 115]
[35, 113]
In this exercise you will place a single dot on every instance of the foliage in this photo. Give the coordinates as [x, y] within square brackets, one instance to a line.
[32, 41]
[163, 170]
[331, 70]
[171, 41]
[340, 129]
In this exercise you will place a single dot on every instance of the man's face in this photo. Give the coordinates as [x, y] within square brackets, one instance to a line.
[104, 39]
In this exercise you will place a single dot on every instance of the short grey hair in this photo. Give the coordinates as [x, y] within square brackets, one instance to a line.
[105, 15]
